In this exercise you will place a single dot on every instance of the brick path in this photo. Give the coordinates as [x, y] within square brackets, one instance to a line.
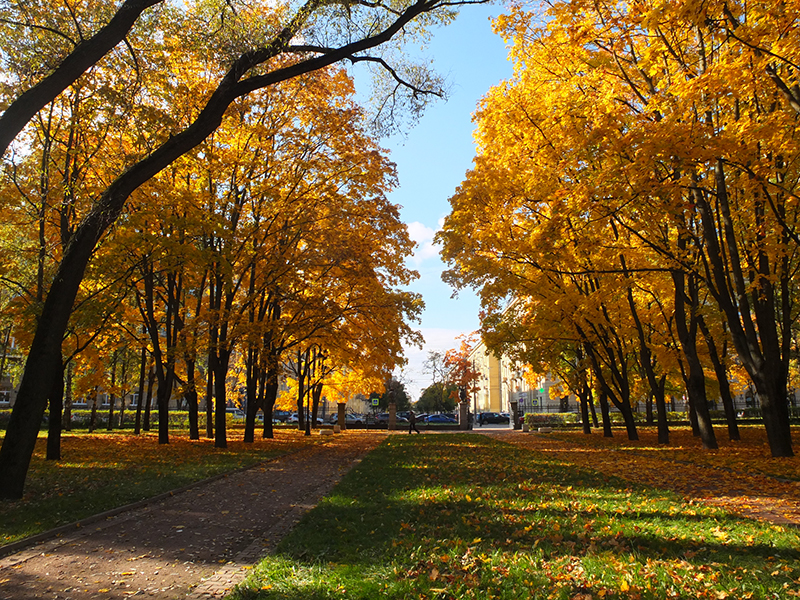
[195, 544]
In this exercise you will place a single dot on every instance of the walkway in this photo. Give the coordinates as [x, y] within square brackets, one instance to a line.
[195, 544]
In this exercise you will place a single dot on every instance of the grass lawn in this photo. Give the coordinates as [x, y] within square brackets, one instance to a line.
[464, 516]
[101, 471]
[750, 454]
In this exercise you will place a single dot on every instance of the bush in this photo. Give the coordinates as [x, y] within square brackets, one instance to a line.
[534, 420]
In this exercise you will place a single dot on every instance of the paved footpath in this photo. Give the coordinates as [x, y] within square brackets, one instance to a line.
[194, 544]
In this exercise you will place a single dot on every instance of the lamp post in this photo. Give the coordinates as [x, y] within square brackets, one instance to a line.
[475, 394]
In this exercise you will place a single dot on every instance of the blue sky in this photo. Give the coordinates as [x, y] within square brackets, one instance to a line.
[432, 160]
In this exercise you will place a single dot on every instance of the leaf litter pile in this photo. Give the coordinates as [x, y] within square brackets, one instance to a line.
[741, 476]
[466, 516]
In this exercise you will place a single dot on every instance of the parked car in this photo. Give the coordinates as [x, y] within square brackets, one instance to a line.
[295, 418]
[440, 419]
[281, 415]
[349, 419]
[492, 418]
[384, 418]
[237, 413]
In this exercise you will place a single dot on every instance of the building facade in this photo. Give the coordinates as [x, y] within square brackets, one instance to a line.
[502, 380]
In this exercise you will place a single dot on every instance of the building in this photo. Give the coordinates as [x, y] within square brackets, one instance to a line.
[502, 380]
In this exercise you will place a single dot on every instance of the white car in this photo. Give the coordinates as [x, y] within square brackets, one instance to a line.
[349, 419]
[296, 419]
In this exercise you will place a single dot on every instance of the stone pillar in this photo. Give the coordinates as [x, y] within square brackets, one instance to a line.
[515, 414]
[340, 419]
[463, 415]
[392, 416]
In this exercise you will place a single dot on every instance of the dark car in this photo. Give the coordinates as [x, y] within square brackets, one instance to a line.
[492, 417]
[440, 419]
[281, 415]
[384, 418]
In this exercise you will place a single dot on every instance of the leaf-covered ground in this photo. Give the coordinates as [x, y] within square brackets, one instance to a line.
[741, 475]
[466, 516]
[102, 471]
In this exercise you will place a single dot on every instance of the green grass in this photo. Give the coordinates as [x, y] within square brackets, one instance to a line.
[462, 516]
[102, 471]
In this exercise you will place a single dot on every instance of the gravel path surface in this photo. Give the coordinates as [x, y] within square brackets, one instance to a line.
[195, 544]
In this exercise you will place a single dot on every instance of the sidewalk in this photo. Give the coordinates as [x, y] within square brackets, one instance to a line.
[195, 544]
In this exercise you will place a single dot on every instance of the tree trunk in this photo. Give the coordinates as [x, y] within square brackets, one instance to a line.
[137, 428]
[687, 334]
[93, 415]
[210, 395]
[67, 420]
[151, 378]
[191, 400]
[585, 397]
[622, 405]
[762, 346]
[605, 413]
[220, 414]
[124, 378]
[692, 413]
[775, 410]
[661, 411]
[268, 401]
[301, 378]
[54, 424]
[316, 395]
[627, 415]
[722, 379]
[619, 375]
[647, 362]
[112, 399]
[162, 403]
[253, 376]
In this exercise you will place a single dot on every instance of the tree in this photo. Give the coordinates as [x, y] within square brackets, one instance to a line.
[85, 52]
[330, 33]
[437, 397]
[460, 369]
[631, 134]
[395, 392]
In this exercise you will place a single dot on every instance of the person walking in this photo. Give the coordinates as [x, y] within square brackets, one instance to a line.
[412, 422]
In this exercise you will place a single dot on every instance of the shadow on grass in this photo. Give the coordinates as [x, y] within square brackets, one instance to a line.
[463, 516]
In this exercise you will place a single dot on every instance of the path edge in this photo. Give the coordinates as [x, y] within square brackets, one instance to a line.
[19, 545]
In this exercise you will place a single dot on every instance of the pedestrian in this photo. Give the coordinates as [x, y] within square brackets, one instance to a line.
[412, 422]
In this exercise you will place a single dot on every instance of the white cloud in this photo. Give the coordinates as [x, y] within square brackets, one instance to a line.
[423, 236]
